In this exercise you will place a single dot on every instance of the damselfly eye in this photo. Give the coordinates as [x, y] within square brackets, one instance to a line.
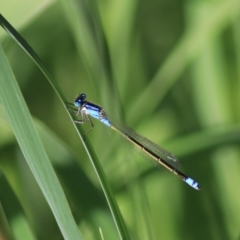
[82, 96]
[79, 100]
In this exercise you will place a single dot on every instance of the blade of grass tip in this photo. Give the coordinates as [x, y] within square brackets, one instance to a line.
[120, 225]
[6, 231]
[33, 151]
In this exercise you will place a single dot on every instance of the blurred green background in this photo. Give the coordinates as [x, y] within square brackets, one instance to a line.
[168, 69]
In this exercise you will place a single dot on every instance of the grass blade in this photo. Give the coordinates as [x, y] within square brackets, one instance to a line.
[33, 150]
[92, 156]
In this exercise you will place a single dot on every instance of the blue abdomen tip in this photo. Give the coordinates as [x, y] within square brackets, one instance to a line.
[193, 183]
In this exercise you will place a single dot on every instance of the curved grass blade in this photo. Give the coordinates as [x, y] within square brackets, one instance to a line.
[117, 217]
[33, 150]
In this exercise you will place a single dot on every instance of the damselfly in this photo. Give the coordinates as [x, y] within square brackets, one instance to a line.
[87, 110]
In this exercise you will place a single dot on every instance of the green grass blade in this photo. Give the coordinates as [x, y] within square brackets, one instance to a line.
[33, 150]
[120, 225]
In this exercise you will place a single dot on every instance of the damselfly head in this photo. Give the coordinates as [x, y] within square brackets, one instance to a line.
[80, 100]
